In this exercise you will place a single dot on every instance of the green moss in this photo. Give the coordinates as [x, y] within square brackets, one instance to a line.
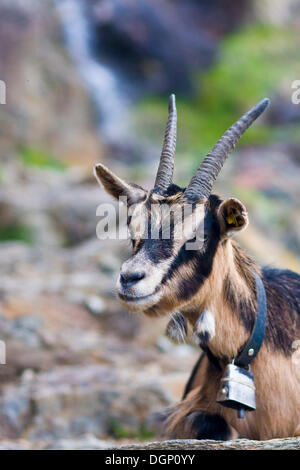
[39, 158]
[17, 231]
[145, 434]
[121, 432]
[257, 62]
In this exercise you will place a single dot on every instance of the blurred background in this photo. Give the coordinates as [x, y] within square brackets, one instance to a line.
[86, 82]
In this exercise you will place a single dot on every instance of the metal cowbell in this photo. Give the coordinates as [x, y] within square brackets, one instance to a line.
[237, 390]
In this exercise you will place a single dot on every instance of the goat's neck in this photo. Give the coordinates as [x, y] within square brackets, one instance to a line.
[227, 293]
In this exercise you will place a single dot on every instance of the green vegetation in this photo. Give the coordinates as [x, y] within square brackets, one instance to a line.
[256, 62]
[40, 158]
[17, 232]
[121, 432]
[267, 212]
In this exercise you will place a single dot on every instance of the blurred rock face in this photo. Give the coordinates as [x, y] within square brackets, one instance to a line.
[160, 43]
[71, 350]
[46, 105]
[73, 401]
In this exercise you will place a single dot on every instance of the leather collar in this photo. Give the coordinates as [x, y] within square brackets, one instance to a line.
[250, 350]
[252, 347]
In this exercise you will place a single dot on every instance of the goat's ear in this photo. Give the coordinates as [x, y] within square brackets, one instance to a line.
[232, 216]
[117, 187]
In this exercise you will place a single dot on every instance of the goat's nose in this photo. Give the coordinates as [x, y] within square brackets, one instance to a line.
[129, 279]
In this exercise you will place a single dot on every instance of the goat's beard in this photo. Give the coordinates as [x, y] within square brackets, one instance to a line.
[143, 305]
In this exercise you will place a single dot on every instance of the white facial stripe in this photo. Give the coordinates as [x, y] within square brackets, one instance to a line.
[187, 222]
[192, 223]
[139, 220]
[205, 327]
[147, 291]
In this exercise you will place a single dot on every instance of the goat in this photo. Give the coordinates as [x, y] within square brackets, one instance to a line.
[213, 289]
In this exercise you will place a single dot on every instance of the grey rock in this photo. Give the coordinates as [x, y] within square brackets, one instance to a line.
[89, 442]
[70, 402]
[95, 304]
[238, 444]
[15, 412]
[26, 328]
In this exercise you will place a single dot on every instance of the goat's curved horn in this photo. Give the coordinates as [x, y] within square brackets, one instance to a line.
[164, 176]
[202, 182]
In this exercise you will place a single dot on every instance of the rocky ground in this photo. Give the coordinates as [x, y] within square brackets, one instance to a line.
[91, 443]
[77, 364]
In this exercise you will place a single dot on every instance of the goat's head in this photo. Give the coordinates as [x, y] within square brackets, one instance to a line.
[162, 274]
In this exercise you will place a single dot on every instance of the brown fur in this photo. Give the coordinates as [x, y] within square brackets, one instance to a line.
[277, 378]
[277, 392]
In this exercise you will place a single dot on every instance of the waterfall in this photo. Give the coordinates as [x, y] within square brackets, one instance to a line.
[100, 81]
